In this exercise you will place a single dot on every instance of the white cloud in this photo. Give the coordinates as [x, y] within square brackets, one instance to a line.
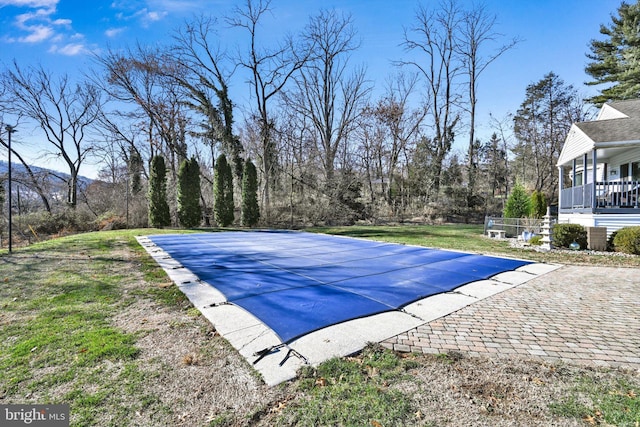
[156, 16]
[30, 3]
[71, 49]
[62, 22]
[148, 17]
[38, 34]
[114, 32]
[39, 24]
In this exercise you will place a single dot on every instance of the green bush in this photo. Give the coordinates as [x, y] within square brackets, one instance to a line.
[610, 240]
[518, 204]
[536, 240]
[67, 221]
[627, 240]
[565, 234]
[538, 204]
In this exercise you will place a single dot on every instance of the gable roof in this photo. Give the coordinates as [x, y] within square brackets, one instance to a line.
[617, 125]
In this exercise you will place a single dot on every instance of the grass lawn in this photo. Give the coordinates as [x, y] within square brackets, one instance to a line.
[470, 238]
[90, 320]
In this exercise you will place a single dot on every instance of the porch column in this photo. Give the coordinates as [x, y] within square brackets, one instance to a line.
[594, 162]
[584, 180]
[560, 186]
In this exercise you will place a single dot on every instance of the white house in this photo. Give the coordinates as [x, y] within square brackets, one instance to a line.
[599, 169]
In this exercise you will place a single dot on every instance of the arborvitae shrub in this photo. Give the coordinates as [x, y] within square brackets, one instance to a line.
[159, 215]
[250, 208]
[538, 204]
[189, 210]
[223, 207]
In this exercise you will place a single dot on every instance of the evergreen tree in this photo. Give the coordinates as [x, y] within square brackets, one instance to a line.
[616, 59]
[189, 210]
[518, 204]
[223, 192]
[494, 165]
[250, 208]
[158, 207]
[538, 204]
[135, 169]
[541, 125]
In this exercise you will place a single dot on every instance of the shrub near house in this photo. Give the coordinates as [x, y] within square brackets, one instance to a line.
[627, 240]
[565, 234]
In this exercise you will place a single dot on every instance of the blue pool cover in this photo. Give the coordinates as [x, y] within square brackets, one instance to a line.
[298, 282]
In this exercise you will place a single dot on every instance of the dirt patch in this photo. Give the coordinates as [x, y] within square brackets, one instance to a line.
[195, 373]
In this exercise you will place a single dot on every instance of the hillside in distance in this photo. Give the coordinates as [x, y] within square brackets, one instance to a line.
[18, 171]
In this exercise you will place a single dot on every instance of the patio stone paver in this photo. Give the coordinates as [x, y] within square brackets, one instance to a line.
[576, 314]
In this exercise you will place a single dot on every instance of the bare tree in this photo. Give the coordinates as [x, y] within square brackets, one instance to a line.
[205, 70]
[326, 93]
[63, 111]
[477, 29]
[36, 181]
[139, 78]
[432, 39]
[401, 123]
[270, 70]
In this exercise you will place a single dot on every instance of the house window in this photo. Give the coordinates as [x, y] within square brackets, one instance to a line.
[635, 171]
[624, 172]
[578, 179]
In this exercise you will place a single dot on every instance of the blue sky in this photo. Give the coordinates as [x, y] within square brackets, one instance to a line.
[61, 35]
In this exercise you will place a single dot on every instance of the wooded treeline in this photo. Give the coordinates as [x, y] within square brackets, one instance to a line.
[329, 147]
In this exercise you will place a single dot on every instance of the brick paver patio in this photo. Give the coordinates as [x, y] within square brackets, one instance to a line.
[577, 314]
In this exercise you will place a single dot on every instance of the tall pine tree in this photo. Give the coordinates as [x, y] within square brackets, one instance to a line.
[189, 210]
[158, 207]
[250, 208]
[616, 59]
[541, 125]
[223, 207]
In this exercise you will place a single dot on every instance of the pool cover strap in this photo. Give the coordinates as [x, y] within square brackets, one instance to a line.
[264, 352]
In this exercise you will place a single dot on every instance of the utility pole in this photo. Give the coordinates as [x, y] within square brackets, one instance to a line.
[10, 129]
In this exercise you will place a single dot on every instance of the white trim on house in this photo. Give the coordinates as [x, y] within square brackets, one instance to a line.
[607, 112]
[613, 222]
[576, 144]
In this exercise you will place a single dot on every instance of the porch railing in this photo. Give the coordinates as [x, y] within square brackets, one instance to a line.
[623, 194]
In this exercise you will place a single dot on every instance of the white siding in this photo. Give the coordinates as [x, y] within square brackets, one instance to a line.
[613, 222]
[628, 156]
[576, 144]
[607, 112]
